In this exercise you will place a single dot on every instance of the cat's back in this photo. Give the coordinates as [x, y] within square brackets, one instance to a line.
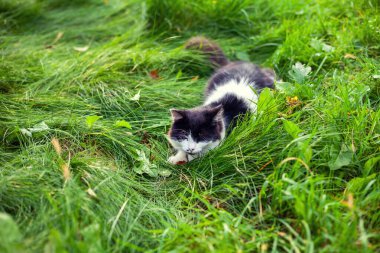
[241, 72]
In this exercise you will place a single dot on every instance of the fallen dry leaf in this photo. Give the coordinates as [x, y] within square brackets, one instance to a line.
[58, 37]
[350, 56]
[154, 74]
[136, 97]
[349, 202]
[195, 78]
[56, 145]
[81, 49]
[145, 138]
[265, 165]
[91, 193]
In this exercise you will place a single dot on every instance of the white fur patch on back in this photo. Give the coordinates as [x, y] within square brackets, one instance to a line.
[242, 90]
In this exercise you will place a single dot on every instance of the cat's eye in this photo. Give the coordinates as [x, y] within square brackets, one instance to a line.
[180, 134]
[181, 137]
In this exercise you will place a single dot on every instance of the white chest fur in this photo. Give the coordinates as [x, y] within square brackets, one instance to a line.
[242, 90]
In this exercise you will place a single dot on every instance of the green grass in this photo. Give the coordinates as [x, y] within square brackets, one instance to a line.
[297, 176]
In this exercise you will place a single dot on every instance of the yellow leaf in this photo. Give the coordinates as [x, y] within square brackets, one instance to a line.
[264, 247]
[350, 56]
[195, 78]
[349, 202]
[293, 101]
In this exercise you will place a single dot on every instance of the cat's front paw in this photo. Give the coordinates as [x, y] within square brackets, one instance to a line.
[179, 158]
[175, 160]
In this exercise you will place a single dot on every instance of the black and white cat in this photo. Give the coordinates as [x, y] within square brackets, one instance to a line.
[231, 91]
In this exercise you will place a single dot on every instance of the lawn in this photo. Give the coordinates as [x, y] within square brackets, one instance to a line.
[85, 92]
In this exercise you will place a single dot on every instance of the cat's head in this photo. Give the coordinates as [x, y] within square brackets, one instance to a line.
[197, 130]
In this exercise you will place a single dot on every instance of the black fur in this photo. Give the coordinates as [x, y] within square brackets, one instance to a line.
[233, 107]
[204, 125]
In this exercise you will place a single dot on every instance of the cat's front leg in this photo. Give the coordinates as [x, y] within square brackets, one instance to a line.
[179, 158]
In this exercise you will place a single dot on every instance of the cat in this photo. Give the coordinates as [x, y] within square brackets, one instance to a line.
[231, 91]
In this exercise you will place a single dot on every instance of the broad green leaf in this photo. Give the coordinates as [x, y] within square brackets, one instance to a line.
[344, 158]
[316, 44]
[286, 88]
[292, 129]
[299, 72]
[327, 48]
[321, 46]
[143, 165]
[10, 236]
[39, 127]
[164, 173]
[35, 129]
[90, 120]
[123, 123]
[306, 152]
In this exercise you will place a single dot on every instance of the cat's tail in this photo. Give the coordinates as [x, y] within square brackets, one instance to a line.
[210, 48]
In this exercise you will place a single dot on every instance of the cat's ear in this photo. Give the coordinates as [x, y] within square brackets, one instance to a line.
[177, 114]
[217, 113]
